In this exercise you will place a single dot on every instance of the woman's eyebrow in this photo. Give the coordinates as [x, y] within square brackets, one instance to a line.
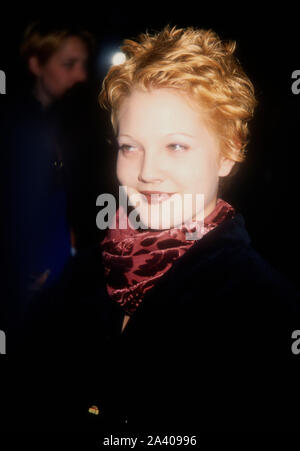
[168, 134]
[123, 134]
[181, 133]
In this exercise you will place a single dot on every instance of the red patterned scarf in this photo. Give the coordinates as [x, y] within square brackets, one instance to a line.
[134, 259]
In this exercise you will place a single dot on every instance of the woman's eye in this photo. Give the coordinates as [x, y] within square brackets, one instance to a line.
[126, 148]
[177, 147]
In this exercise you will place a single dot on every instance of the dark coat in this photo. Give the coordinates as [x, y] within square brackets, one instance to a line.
[203, 355]
[37, 228]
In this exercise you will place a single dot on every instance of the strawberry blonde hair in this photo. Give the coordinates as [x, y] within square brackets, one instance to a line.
[195, 62]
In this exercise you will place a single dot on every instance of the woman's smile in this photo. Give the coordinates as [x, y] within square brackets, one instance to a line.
[155, 197]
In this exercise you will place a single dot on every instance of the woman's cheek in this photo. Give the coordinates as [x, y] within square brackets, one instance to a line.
[126, 173]
[121, 170]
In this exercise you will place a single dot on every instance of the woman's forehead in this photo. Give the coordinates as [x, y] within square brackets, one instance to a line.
[161, 111]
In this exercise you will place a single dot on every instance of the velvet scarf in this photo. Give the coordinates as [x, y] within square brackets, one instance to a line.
[134, 259]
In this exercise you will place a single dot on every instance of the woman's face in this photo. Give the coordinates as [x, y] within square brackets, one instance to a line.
[65, 68]
[165, 146]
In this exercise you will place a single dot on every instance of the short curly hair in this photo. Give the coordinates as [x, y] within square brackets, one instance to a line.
[193, 61]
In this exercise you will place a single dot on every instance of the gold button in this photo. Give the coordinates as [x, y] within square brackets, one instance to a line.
[94, 410]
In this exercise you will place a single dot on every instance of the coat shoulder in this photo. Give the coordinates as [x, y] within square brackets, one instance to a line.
[252, 268]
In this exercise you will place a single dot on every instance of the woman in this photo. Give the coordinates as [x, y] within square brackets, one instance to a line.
[158, 331]
[56, 58]
[39, 166]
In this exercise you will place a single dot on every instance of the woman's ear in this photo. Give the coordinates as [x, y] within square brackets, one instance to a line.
[225, 166]
[34, 65]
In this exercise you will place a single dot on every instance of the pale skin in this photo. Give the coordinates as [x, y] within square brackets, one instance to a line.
[65, 68]
[125, 321]
[166, 145]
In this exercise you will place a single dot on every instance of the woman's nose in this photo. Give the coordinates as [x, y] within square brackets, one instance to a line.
[150, 170]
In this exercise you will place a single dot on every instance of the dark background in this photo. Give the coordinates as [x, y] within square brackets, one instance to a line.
[265, 189]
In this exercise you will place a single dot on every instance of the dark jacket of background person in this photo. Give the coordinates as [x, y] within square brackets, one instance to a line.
[38, 231]
[51, 165]
[82, 135]
[207, 353]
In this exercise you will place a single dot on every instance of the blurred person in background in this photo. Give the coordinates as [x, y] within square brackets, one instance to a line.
[39, 232]
[57, 59]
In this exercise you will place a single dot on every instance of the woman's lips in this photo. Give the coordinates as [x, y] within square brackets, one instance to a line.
[155, 197]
